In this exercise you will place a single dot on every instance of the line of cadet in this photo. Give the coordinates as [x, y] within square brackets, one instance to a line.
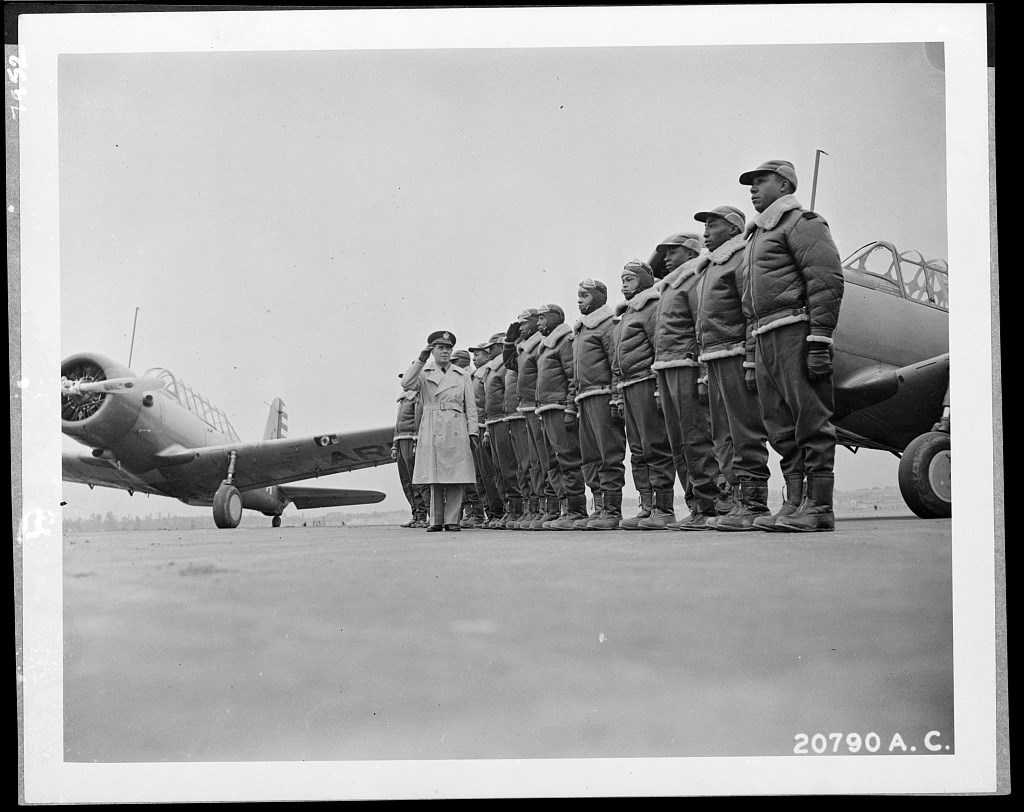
[711, 355]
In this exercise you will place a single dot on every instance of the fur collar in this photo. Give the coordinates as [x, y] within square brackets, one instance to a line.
[770, 217]
[638, 301]
[552, 338]
[721, 254]
[594, 318]
[530, 343]
[686, 270]
[494, 363]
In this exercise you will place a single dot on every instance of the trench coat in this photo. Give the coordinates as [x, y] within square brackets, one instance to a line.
[449, 418]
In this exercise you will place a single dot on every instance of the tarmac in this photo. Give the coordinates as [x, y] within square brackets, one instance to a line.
[384, 643]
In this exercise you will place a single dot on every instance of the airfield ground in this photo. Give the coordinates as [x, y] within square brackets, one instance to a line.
[364, 643]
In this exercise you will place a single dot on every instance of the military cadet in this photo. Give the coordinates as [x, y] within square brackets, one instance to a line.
[722, 335]
[497, 437]
[558, 413]
[602, 441]
[516, 424]
[792, 292]
[543, 466]
[651, 460]
[444, 458]
[473, 502]
[681, 385]
[531, 472]
[488, 480]
[403, 451]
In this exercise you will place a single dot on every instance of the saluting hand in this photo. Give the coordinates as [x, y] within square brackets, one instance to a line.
[424, 355]
[819, 361]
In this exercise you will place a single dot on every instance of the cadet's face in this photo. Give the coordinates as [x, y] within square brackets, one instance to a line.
[584, 298]
[716, 232]
[480, 357]
[630, 284]
[442, 354]
[766, 188]
[542, 324]
[526, 329]
[676, 255]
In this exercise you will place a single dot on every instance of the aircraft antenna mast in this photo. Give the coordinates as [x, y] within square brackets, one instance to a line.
[814, 183]
[132, 348]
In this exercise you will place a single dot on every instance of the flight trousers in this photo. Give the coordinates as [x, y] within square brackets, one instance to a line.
[688, 425]
[487, 480]
[568, 459]
[503, 456]
[649, 449]
[736, 417]
[520, 435]
[417, 495]
[797, 412]
[602, 445]
[541, 473]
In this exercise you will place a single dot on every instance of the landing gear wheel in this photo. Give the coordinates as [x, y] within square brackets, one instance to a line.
[924, 476]
[276, 521]
[227, 506]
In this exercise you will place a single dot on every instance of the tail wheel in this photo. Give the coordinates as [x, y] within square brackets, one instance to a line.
[276, 521]
[227, 506]
[924, 476]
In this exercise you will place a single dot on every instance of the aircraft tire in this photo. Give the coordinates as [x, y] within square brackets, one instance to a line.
[227, 507]
[276, 521]
[924, 476]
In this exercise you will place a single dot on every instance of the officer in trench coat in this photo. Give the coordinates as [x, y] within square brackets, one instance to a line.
[444, 458]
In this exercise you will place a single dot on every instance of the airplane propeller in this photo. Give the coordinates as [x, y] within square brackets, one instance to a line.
[113, 386]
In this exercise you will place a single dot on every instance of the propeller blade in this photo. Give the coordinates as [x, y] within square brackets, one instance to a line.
[113, 386]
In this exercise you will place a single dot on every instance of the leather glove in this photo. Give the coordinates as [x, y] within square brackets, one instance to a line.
[618, 413]
[513, 332]
[424, 355]
[750, 378]
[702, 394]
[571, 423]
[394, 453]
[819, 360]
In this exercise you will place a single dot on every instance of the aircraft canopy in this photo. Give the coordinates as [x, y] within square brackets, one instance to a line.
[908, 275]
[194, 402]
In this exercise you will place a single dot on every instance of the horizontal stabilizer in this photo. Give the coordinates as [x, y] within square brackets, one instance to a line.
[304, 498]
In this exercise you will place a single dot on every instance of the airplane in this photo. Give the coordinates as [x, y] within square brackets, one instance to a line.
[891, 367]
[156, 435]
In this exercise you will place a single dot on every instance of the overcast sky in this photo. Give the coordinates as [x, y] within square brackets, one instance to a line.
[294, 223]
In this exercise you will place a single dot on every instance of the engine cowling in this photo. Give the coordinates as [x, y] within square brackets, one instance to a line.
[97, 419]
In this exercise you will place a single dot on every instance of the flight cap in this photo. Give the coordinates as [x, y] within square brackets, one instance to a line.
[461, 357]
[543, 310]
[684, 238]
[783, 168]
[729, 213]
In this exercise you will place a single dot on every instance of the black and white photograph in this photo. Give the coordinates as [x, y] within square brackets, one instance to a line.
[505, 402]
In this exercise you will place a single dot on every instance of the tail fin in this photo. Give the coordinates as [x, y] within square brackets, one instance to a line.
[277, 421]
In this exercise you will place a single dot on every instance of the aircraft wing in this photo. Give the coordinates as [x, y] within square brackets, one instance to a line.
[288, 459]
[307, 498]
[887, 407]
[89, 470]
